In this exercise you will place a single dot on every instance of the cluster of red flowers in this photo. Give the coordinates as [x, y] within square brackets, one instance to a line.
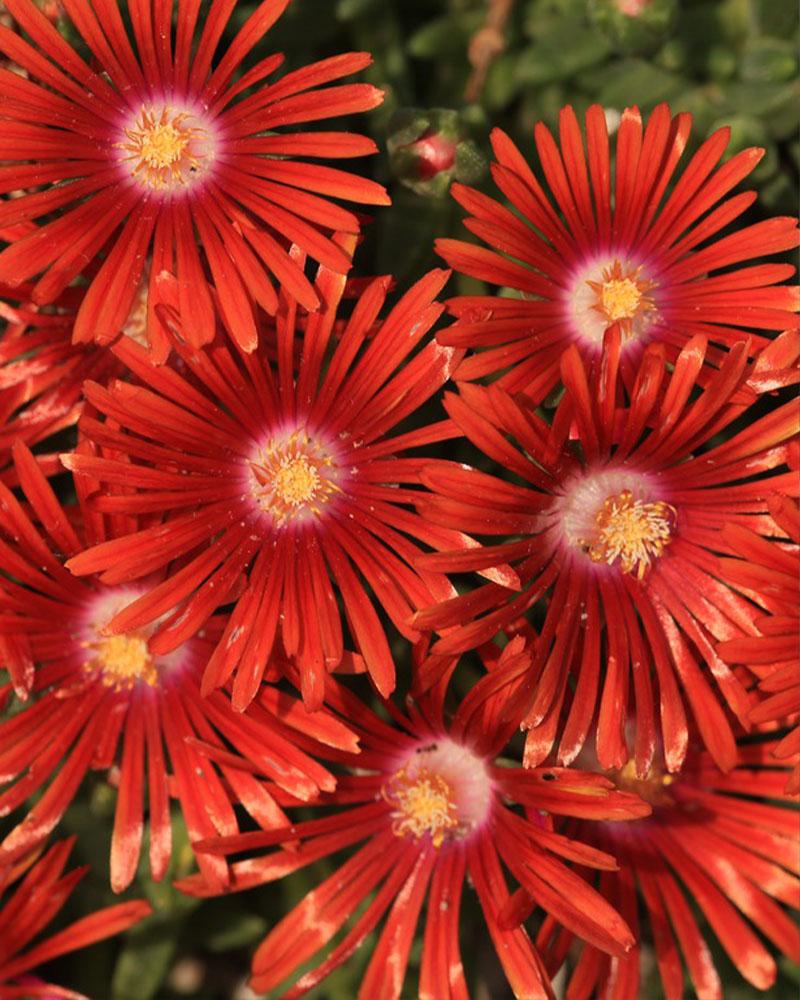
[256, 505]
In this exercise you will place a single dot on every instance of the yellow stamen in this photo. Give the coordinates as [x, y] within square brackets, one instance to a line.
[633, 531]
[620, 299]
[296, 481]
[622, 296]
[163, 149]
[121, 661]
[653, 788]
[423, 803]
[291, 477]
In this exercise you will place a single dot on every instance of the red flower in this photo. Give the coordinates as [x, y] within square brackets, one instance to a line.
[103, 700]
[719, 842]
[434, 809]
[40, 893]
[774, 656]
[291, 473]
[159, 149]
[614, 253]
[41, 373]
[618, 519]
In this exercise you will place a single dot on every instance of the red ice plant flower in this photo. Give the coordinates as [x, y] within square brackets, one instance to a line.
[612, 248]
[104, 701]
[42, 372]
[434, 808]
[721, 842]
[40, 892]
[774, 654]
[292, 473]
[616, 513]
[160, 148]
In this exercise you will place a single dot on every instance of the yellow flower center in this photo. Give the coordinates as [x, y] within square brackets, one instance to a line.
[296, 481]
[631, 531]
[164, 149]
[121, 661]
[653, 788]
[423, 803]
[620, 299]
[622, 296]
[292, 477]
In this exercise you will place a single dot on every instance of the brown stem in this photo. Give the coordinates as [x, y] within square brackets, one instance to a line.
[486, 44]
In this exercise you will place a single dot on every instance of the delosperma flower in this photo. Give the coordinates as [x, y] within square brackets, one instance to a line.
[726, 843]
[774, 654]
[42, 372]
[616, 513]
[629, 241]
[35, 890]
[433, 808]
[168, 163]
[494, 697]
[102, 701]
[292, 473]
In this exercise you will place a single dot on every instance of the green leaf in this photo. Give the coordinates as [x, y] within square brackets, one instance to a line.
[561, 52]
[445, 36]
[768, 60]
[347, 10]
[470, 163]
[641, 33]
[777, 18]
[745, 131]
[634, 81]
[779, 195]
[721, 62]
[774, 103]
[239, 931]
[502, 83]
[674, 56]
[145, 960]
[768, 166]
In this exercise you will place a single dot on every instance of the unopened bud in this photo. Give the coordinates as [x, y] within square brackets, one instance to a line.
[635, 26]
[433, 153]
[428, 149]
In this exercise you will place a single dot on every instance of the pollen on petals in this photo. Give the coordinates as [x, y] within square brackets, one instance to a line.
[166, 149]
[441, 791]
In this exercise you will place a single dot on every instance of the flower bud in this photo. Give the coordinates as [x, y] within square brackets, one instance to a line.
[428, 149]
[634, 26]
